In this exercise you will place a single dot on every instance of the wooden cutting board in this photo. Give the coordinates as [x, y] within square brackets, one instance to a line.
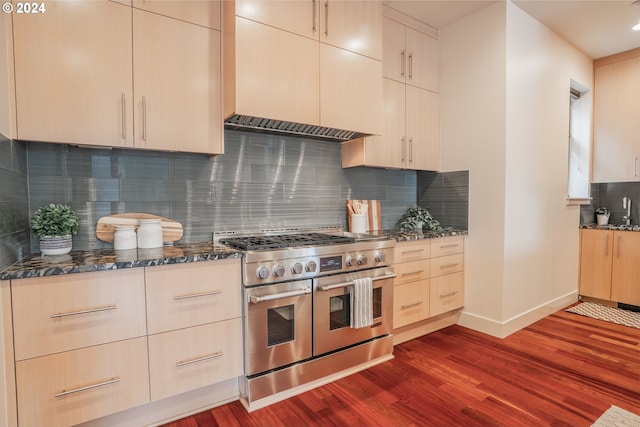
[373, 213]
[171, 230]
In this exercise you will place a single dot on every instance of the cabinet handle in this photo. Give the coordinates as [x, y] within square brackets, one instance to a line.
[411, 66]
[313, 23]
[197, 295]
[411, 273]
[326, 18]
[443, 266]
[449, 294]
[144, 118]
[413, 304]
[89, 387]
[455, 245]
[124, 118]
[606, 246]
[410, 150]
[402, 62]
[415, 251]
[404, 150]
[198, 359]
[635, 166]
[87, 311]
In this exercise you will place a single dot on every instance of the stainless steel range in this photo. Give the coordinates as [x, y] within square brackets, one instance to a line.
[301, 302]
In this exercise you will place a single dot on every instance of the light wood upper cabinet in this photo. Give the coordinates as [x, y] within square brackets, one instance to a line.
[609, 268]
[298, 17]
[616, 142]
[177, 85]
[205, 13]
[625, 283]
[422, 129]
[73, 74]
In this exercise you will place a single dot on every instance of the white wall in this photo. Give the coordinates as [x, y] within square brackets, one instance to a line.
[506, 77]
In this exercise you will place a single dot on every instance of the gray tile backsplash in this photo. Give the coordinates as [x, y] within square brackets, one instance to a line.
[14, 207]
[610, 195]
[262, 181]
[446, 196]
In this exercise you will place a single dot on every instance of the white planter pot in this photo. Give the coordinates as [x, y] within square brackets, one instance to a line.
[55, 245]
[602, 219]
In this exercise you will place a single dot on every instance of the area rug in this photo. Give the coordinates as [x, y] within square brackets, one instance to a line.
[609, 314]
[617, 417]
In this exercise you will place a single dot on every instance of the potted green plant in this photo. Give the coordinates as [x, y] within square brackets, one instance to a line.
[602, 216]
[54, 225]
[418, 218]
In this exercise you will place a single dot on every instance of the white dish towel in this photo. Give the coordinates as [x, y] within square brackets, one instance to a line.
[362, 303]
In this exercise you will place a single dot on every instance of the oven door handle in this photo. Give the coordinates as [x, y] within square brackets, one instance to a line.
[256, 299]
[345, 284]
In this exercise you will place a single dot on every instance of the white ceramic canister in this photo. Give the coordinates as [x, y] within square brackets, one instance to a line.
[124, 237]
[149, 233]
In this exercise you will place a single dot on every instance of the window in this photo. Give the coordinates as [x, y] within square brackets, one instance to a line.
[579, 144]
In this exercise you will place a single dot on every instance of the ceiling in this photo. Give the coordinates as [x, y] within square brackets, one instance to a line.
[597, 27]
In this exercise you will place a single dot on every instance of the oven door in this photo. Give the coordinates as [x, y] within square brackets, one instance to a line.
[277, 325]
[332, 300]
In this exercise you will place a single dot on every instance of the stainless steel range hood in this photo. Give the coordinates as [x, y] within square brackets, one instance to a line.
[280, 127]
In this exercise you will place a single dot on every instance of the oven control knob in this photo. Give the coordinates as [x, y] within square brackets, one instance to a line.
[311, 266]
[380, 257]
[262, 272]
[362, 260]
[297, 268]
[278, 271]
[350, 261]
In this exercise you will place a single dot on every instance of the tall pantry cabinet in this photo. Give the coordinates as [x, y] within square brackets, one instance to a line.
[108, 74]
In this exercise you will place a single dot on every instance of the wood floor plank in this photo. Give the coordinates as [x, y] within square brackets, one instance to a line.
[564, 370]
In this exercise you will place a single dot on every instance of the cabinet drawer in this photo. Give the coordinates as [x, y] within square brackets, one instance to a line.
[447, 293]
[411, 271]
[190, 358]
[60, 313]
[411, 251]
[447, 246]
[190, 294]
[69, 388]
[447, 265]
[410, 303]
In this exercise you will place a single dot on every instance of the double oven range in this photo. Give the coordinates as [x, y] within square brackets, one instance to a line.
[297, 294]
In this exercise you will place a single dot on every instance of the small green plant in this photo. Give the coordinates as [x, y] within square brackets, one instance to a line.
[414, 215]
[54, 220]
[602, 211]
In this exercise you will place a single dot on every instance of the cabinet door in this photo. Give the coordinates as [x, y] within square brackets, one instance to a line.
[422, 55]
[394, 53]
[176, 85]
[447, 293]
[73, 74]
[616, 142]
[596, 254]
[200, 12]
[410, 303]
[276, 74]
[423, 129]
[353, 25]
[298, 17]
[411, 251]
[412, 271]
[350, 91]
[625, 282]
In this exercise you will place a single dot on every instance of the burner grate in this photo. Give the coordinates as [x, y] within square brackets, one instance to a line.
[258, 243]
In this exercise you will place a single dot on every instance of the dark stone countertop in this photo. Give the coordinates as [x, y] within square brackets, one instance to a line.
[620, 227]
[403, 236]
[35, 265]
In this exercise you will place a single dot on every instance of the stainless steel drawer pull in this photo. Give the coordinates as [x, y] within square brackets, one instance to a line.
[199, 359]
[413, 304]
[411, 273]
[256, 299]
[443, 266]
[412, 252]
[200, 294]
[449, 294]
[402, 63]
[411, 66]
[89, 387]
[454, 245]
[346, 284]
[87, 311]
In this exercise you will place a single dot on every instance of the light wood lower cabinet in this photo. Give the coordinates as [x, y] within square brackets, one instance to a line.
[72, 387]
[429, 279]
[609, 267]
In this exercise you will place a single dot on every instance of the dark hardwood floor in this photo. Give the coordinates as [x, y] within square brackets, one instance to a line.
[564, 370]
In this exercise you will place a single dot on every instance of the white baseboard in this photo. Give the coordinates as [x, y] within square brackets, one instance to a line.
[502, 329]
